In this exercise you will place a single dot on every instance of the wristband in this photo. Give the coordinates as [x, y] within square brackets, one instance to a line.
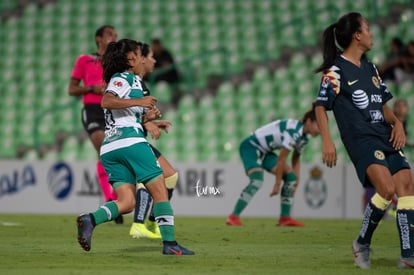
[90, 89]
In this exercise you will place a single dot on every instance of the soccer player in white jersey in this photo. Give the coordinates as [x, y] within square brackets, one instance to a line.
[125, 153]
[257, 154]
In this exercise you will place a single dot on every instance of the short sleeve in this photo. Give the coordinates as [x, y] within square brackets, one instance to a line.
[386, 94]
[329, 88]
[78, 71]
[118, 86]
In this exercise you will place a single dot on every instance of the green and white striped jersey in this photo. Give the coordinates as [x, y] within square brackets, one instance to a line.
[285, 133]
[123, 126]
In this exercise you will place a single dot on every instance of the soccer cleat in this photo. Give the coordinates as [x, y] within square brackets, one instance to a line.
[153, 227]
[85, 228]
[406, 263]
[289, 221]
[138, 230]
[233, 220]
[176, 249]
[361, 255]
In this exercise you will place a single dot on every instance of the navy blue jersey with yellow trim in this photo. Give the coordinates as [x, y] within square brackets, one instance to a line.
[357, 95]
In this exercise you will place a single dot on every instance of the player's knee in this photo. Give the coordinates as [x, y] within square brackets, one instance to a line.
[171, 181]
[387, 192]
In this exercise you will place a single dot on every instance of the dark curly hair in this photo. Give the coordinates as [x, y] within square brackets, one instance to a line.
[115, 59]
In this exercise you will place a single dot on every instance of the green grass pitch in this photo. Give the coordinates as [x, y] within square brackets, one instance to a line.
[46, 244]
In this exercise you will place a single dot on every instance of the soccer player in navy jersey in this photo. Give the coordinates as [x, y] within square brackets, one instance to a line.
[373, 136]
[143, 226]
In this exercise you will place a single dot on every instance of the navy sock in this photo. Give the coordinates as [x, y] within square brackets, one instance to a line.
[372, 217]
[405, 221]
[170, 193]
[142, 204]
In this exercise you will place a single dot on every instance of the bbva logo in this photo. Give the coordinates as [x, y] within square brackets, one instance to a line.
[60, 180]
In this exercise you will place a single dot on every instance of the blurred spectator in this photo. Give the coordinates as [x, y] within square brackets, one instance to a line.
[396, 49]
[165, 61]
[405, 72]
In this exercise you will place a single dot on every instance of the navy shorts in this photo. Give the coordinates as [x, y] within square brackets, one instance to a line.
[393, 161]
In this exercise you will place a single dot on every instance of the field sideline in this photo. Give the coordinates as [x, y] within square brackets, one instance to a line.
[46, 244]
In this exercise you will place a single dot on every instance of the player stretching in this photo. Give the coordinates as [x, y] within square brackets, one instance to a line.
[256, 152]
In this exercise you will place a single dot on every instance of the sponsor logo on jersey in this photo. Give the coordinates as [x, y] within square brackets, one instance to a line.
[376, 116]
[322, 98]
[375, 81]
[118, 83]
[379, 155]
[325, 81]
[360, 99]
[376, 98]
[322, 92]
[350, 83]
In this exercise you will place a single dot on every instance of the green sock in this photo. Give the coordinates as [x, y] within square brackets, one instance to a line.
[105, 213]
[286, 196]
[256, 181]
[164, 216]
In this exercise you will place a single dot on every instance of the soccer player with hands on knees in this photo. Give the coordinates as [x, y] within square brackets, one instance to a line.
[372, 135]
[257, 154]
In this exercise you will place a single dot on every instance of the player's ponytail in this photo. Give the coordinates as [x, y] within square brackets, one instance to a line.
[330, 51]
[337, 37]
